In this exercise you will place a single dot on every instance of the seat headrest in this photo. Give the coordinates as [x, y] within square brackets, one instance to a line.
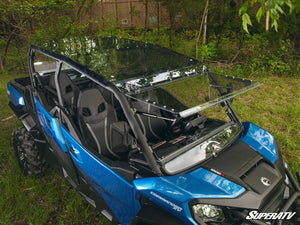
[91, 105]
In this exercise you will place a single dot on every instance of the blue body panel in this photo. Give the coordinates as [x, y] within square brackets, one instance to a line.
[50, 125]
[260, 140]
[115, 190]
[14, 96]
[173, 193]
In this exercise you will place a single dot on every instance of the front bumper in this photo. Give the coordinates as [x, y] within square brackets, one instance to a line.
[290, 205]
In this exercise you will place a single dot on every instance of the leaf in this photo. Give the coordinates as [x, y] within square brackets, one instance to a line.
[246, 21]
[291, 5]
[278, 8]
[274, 14]
[243, 8]
[259, 13]
[275, 25]
[254, 1]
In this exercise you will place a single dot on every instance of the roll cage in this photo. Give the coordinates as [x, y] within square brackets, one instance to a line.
[148, 153]
[129, 89]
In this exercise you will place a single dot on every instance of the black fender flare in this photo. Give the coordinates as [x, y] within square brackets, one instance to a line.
[151, 214]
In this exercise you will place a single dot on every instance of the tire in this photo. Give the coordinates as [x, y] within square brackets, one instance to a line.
[30, 159]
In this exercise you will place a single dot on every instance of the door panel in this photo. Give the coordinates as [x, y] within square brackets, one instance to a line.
[117, 192]
[50, 125]
[57, 143]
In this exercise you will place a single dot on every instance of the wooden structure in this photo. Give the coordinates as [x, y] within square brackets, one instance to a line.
[131, 13]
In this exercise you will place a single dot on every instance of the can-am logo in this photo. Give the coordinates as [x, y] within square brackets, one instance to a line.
[265, 181]
[254, 215]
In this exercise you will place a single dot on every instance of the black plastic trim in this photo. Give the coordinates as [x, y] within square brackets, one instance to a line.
[151, 214]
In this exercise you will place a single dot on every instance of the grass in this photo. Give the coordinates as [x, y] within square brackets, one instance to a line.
[274, 106]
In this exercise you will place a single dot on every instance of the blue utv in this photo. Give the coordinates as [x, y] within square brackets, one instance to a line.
[148, 136]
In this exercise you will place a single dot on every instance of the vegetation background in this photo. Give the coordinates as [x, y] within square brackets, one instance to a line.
[258, 39]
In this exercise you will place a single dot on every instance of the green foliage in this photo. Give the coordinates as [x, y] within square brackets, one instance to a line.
[208, 51]
[281, 60]
[245, 17]
[24, 22]
[272, 8]
[246, 22]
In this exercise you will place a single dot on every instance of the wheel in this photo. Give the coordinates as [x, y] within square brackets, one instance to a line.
[29, 157]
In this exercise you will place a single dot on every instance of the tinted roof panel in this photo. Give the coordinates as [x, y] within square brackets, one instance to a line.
[118, 59]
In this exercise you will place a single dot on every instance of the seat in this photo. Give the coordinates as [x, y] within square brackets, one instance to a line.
[99, 125]
[69, 92]
[154, 129]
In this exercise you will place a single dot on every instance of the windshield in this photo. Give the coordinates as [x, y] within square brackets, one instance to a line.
[204, 89]
[185, 113]
[180, 143]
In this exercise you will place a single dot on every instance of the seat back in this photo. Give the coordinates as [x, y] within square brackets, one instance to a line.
[69, 91]
[100, 128]
[153, 128]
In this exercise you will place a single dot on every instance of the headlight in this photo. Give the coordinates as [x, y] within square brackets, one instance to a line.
[208, 213]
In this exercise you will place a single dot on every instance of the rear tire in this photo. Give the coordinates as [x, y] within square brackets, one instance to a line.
[30, 159]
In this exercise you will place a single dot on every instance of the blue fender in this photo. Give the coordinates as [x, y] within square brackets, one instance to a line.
[260, 140]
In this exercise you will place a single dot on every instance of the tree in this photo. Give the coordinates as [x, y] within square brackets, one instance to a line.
[203, 26]
[272, 9]
[173, 7]
[22, 21]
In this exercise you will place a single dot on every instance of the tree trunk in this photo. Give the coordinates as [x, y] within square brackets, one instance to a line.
[102, 12]
[158, 14]
[1, 65]
[172, 22]
[131, 14]
[116, 9]
[205, 23]
[268, 15]
[200, 29]
[171, 31]
[76, 18]
[146, 18]
[6, 49]
[221, 12]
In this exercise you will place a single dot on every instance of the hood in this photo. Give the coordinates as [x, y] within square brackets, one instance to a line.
[175, 192]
